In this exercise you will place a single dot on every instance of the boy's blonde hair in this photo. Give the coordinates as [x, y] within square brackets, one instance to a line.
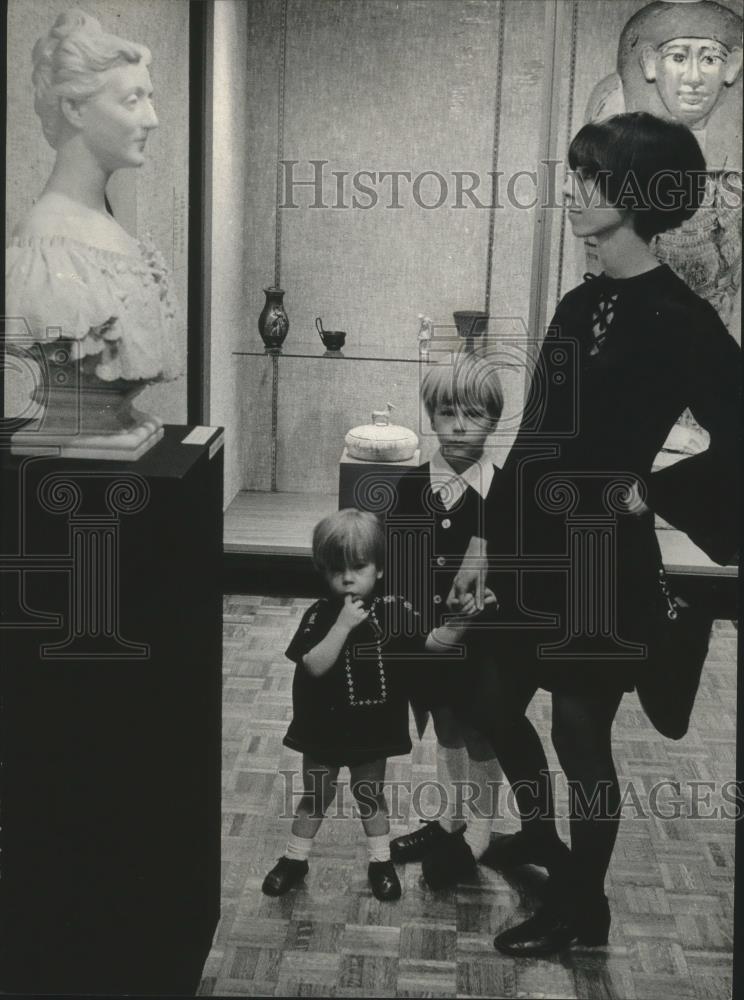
[469, 382]
[348, 538]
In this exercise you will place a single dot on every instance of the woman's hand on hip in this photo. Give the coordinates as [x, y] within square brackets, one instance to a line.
[636, 504]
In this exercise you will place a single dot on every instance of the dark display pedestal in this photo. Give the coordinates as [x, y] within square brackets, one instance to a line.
[370, 485]
[111, 720]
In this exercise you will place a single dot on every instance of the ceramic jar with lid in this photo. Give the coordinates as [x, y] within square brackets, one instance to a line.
[381, 441]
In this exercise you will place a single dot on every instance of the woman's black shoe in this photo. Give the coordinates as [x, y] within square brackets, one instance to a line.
[285, 873]
[551, 930]
[413, 846]
[450, 862]
[513, 849]
[384, 880]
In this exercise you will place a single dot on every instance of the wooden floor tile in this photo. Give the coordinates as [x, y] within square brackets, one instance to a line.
[670, 883]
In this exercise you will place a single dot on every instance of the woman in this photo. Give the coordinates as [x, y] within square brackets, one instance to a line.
[579, 561]
[80, 281]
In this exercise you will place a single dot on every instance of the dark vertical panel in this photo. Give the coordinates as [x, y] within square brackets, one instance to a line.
[4, 139]
[197, 354]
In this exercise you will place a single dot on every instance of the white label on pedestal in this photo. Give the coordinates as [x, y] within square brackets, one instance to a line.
[199, 435]
[216, 445]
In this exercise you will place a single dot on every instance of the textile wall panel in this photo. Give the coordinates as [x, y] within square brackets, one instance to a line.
[152, 199]
[381, 87]
[236, 232]
[519, 120]
[584, 33]
[259, 151]
[411, 86]
[518, 151]
[318, 405]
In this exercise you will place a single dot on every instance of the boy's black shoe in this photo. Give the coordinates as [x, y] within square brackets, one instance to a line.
[285, 873]
[384, 880]
[448, 863]
[414, 846]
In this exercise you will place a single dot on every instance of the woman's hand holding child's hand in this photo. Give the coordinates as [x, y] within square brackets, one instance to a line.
[456, 627]
[468, 606]
[353, 613]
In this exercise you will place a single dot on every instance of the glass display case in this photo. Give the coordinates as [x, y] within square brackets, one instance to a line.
[298, 438]
[304, 400]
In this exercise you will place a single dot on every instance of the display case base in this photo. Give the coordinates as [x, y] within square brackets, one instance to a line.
[110, 721]
[368, 485]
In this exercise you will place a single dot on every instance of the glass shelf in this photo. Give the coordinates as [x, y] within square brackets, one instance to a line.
[439, 347]
[441, 351]
[320, 356]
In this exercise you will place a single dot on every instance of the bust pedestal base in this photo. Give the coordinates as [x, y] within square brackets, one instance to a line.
[86, 417]
[124, 446]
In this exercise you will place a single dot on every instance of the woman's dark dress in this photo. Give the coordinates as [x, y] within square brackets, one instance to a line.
[577, 576]
[355, 715]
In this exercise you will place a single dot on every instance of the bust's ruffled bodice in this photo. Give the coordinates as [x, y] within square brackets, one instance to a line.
[117, 307]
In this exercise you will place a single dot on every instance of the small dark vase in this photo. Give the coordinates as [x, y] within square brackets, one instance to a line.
[273, 323]
[470, 323]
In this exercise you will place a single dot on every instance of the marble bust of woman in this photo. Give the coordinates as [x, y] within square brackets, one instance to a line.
[95, 300]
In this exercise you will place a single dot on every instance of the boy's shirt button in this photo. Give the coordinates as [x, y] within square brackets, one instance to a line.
[437, 599]
[446, 523]
[441, 560]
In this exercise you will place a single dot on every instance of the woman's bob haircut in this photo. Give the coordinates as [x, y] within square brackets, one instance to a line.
[646, 165]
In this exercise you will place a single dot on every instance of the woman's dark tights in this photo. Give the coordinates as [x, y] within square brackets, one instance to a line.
[581, 733]
[582, 737]
[498, 711]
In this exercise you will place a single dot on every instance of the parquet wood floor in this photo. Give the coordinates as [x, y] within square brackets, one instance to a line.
[670, 882]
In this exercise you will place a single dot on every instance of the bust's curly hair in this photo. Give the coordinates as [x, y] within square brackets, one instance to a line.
[68, 62]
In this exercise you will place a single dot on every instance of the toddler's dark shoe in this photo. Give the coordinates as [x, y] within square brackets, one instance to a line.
[414, 846]
[448, 863]
[285, 873]
[513, 849]
[384, 880]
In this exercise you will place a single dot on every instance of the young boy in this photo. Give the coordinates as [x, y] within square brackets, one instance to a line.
[349, 694]
[439, 507]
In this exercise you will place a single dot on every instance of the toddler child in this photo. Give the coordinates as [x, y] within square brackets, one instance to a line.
[349, 693]
[443, 502]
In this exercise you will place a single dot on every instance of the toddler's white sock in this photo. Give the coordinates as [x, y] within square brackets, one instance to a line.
[487, 776]
[378, 848]
[298, 848]
[452, 772]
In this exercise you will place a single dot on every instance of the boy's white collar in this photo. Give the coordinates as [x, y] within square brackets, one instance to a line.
[479, 476]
